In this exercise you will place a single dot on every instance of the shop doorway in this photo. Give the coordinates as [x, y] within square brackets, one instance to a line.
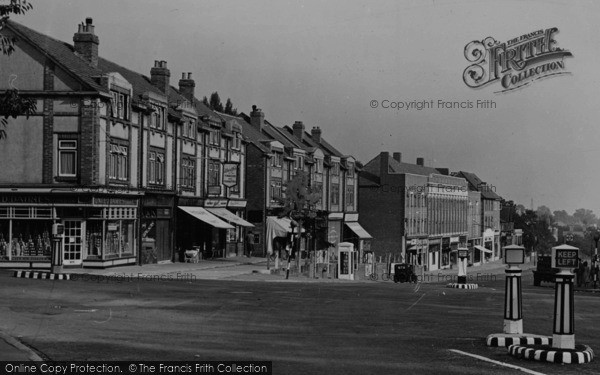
[73, 242]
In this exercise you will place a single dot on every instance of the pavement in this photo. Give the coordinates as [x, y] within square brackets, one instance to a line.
[13, 350]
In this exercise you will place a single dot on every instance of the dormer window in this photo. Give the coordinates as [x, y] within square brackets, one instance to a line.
[277, 159]
[236, 142]
[299, 162]
[319, 166]
[120, 105]
[157, 119]
[335, 169]
[214, 138]
[350, 170]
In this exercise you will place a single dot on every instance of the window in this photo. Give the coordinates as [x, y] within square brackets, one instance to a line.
[67, 158]
[319, 166]
[120, 105]
[156, 168]
[275, 189]
[188, 130]
[188, 173]
[349, 195]
[277, 160]
[214, 173]
[335, 169]
[350, 170]
[299, 162]
[237, 141]
[157, 120]
[118, 168]
[335, 194]
[214, 138]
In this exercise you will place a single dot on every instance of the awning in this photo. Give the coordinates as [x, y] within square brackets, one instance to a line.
[205, 216]
[224, 213]
[278, 227]
[483, 249]
[358, 230]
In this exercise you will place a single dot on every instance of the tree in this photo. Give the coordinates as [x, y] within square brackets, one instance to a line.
[229, 108]
[11, 103]
[7, 44]
[215, 102]
[536, 234]
[205, 102]
[544, 213]
[299, 204]
[585, 216]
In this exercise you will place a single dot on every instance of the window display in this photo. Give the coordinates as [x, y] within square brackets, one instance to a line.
[31, 238]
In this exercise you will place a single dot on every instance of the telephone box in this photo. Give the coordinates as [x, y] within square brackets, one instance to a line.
[346, 259]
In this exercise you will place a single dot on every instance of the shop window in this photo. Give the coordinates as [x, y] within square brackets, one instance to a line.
[67, 158]
[30, 238]
[94, 238]
[119, 238]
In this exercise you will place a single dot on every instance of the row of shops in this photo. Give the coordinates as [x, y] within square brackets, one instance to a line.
[441, 252]
[104, 229]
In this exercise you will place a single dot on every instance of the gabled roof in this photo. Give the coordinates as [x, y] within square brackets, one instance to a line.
[62, 53]
[476, 184]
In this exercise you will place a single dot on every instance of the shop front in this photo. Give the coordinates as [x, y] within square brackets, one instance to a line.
[99, 230]
[157, 228]
[232, 212]
[416, 249]
[198, 229]
[446, 251]
[432, 258]
[489, 243]
[357, 235]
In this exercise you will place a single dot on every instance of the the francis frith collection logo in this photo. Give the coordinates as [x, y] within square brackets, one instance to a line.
[515, 63]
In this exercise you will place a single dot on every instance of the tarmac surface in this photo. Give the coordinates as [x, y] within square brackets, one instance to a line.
[239, 269]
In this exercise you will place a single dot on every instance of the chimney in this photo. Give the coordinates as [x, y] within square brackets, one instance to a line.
[159, 76]
[298, 128]
[421, 162]
[257, 118]
[186, 86]
[444, 171]
[86, 42]
[398, 157]
[384, 165]
[315, 133]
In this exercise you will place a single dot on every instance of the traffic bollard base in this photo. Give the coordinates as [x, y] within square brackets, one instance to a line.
[507, 339]
[546, 353]
[461, 286]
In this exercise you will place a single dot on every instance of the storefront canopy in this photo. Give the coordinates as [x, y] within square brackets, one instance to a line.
[483, 249]
[278, 227]
[224, 213]
[205, 216]
[358, 230]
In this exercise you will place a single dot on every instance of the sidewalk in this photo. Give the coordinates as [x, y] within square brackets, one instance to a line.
[204, 269]
[13, 350]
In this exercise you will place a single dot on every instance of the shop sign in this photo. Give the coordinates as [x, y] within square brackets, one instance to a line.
[236, 204]
[215, 203]
[230, 174]
[114, 201]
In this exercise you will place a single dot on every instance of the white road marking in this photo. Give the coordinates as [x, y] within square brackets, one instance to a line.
[109, 317]
[92, 310]
[497, 362]
[410, 307]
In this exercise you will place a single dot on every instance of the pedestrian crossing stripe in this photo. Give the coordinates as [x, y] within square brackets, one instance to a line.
[553, 355]
[41, 275]
[496, 341]
[462, 286]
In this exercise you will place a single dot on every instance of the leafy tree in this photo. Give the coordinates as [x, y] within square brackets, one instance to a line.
[11, 103]
[563, 217]
[299, 204]
[544, 213]
[585, 216]
[7, 44]
[536, 234]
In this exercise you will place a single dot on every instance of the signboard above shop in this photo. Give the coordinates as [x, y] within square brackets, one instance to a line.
[230, 174]
[565, 256]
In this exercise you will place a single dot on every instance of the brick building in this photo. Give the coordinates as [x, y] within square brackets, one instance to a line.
[123, 160]
[413, 210]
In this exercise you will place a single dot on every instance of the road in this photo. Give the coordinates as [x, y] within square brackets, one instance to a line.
[304, 328]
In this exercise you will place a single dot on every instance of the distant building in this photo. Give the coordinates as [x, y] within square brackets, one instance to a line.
[412, 210]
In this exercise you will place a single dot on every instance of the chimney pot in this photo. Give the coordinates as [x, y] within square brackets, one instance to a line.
[298, 129]
[384, 165]
[421, 162]
[257, 118]
[398, 157]
[186, 86]
[315, 133]
[189, 75]
[160, 76]
[85, 43]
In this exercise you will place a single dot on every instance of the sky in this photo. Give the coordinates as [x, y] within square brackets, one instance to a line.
[324, 63]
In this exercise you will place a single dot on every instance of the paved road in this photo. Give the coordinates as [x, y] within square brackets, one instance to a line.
[316, 328]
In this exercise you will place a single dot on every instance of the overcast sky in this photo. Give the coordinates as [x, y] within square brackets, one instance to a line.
[324, 62]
